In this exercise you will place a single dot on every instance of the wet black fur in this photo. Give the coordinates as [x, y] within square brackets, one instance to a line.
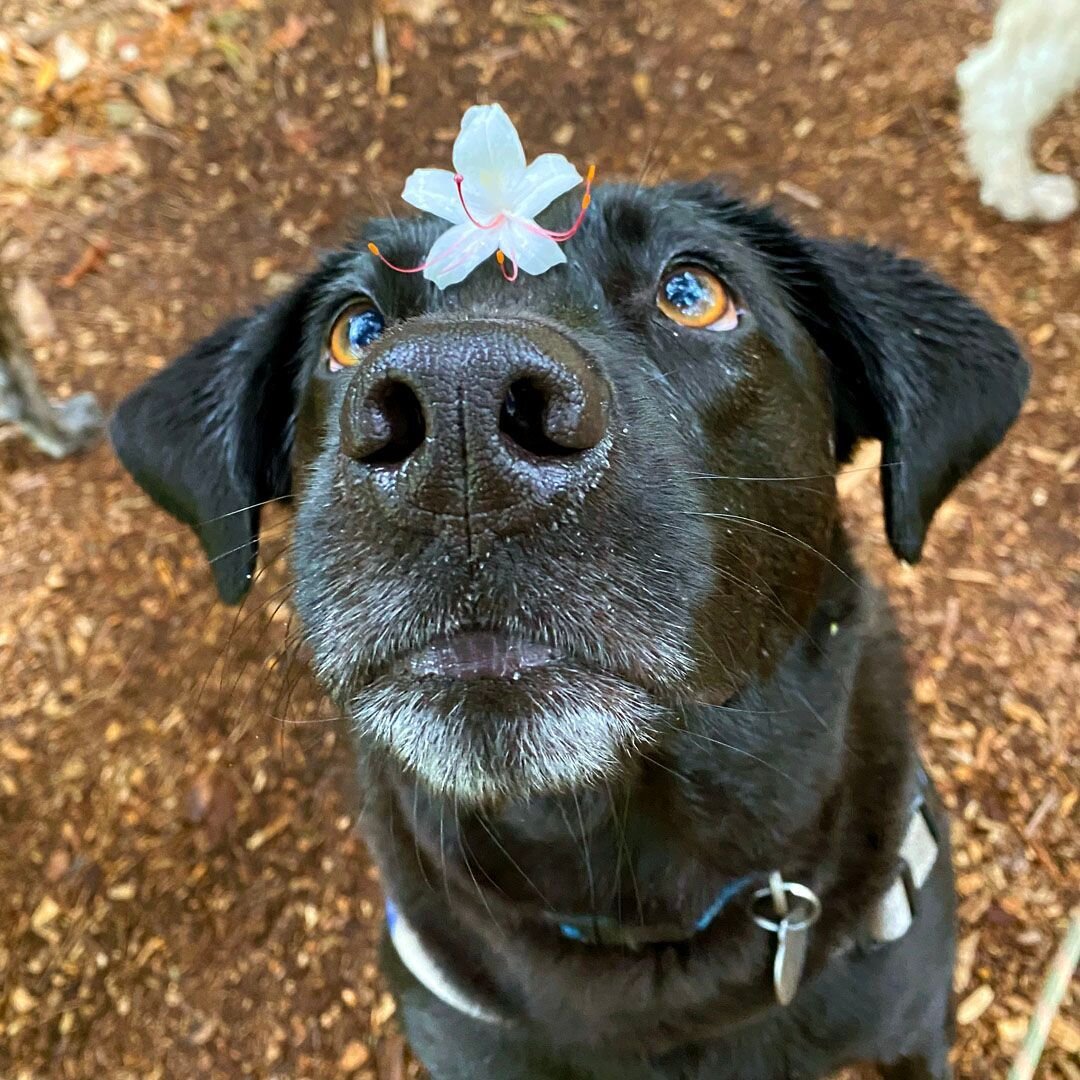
[783, 736]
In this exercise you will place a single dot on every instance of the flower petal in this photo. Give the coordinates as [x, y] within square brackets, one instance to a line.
[434, 190]
[458, 252]
[478, 199]
[488, 153]
[548, 177]
[533, 252]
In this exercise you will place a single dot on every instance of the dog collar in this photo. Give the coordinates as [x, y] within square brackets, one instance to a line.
[429, 972]
[587, 929]
[896, 910]
[610, 931]
[796, 909]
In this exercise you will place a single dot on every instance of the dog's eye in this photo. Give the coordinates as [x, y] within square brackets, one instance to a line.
[693, 296]
[354, 329]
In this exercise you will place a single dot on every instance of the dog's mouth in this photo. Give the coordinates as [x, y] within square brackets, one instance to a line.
[485, 714]
[477, 654]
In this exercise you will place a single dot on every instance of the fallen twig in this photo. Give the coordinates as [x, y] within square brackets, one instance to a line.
[1046, 1008]
[57, 428]
[381, 54]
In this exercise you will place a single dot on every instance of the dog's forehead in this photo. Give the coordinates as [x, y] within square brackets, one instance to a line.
[625, 239]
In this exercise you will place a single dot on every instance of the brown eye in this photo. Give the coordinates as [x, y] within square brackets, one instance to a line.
[354, 329]
[693, 296]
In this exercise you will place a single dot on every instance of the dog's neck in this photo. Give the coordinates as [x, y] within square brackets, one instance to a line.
[759, 783]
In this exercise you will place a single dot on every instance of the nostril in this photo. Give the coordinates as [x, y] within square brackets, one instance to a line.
[554, 415]
[387, 427]
[523, 418]
[404, 417]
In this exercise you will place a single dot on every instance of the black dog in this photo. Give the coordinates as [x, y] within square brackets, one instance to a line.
[631, 727]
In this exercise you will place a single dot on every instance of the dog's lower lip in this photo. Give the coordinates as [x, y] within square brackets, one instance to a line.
[477, 654]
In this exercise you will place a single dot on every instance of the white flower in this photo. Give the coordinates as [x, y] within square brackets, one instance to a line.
[491, 200]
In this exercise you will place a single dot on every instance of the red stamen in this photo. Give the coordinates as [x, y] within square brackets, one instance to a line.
[393, 266]
[495, 222]
[440, 262]
[586, 201]
[500, 258]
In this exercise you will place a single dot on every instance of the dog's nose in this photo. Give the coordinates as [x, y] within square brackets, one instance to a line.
[477, 417]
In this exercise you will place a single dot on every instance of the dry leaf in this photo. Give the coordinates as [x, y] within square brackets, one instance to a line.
[23, 118]
[382, 1010]
[300, 137]
[46, 75]
[32, 311]
[211, 803]
[971, 575]
[799, 194]
[57, 865]
[44, 913]
[71, 58]
[1019, 712]
[563, 134]
[289, 35]
[263, 267]
[25, 53]
[121, 114]
[1066, 1034]
[354, 1056]
[974, 1005]
[91, 258]
[1041, 334]
[43, 162]
[420, 11]
[1011, 1030]
[965, 961]
[153, 95]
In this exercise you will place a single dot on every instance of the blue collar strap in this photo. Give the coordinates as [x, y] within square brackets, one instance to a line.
[587, 929]
[610, 931]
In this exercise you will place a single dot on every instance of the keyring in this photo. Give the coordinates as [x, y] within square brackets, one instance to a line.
[799, 892]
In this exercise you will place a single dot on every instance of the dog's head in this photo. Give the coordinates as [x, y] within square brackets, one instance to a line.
[536, 521]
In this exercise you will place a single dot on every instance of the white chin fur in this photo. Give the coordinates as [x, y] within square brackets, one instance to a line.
[558, 732]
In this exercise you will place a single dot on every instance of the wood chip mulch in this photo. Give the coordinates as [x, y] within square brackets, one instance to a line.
[181, 890]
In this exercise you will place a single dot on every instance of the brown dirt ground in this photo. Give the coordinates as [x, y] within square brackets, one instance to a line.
[181, 891]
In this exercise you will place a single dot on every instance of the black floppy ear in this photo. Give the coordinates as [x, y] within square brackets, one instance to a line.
[912, 363]
[918, 366]
[209, 438]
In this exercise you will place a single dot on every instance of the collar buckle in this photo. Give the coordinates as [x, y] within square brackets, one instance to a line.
[896, 910]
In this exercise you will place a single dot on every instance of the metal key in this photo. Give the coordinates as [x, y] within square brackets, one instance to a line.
[797, 909]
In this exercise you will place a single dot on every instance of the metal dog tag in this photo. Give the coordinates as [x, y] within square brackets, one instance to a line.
[792, 937]
[797, 909]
